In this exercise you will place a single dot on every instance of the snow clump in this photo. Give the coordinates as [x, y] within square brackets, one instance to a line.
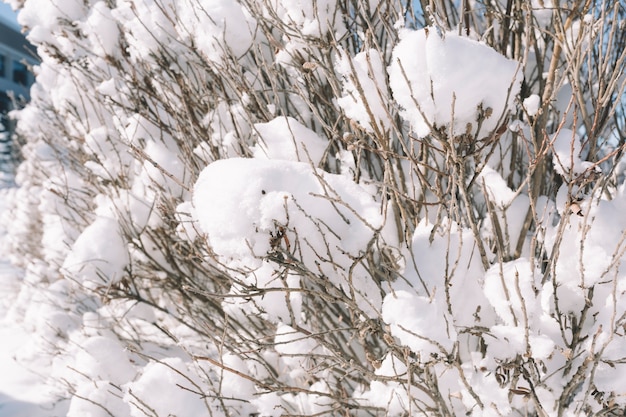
[567, 156]
[532, 104]
[364, 97]
[249, 208]
[425, 80]
[288, 139]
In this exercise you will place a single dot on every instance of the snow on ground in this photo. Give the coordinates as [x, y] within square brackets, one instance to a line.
[22, 390]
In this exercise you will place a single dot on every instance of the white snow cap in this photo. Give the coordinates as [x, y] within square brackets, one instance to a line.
[532, 104]
[240, 201]
[99, 255]
[443, 80]
[364, 73]
[566, 158]
[241, 204]
[288, 139]
[419, 323]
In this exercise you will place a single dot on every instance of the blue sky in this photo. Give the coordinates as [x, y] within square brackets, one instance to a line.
[7, 15]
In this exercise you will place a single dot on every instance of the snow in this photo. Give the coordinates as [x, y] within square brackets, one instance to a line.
[497, 189]
[567, 154]
[98, 256]
[531, 104]
[311, 19]
[425, 81]
[41, 15]
[243, 204]
[419, 323]
[364, 97]
[158, 377]
[286, 138]
[23, 389]
[23, 392]
[510, 288]
[140, 245]
[102, 30]
[440, 258]
[391, 395]
[209, 24]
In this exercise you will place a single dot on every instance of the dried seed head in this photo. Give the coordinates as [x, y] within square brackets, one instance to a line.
[309, 66]
[575, 208]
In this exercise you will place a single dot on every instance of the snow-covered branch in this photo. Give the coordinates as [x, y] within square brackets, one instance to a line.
[341, 207]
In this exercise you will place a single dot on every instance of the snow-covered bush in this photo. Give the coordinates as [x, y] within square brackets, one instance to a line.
[266, 208]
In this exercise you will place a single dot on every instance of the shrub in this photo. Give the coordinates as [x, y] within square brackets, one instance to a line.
[333, 207]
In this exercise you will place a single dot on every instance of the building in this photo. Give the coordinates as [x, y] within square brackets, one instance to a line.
[17, 56]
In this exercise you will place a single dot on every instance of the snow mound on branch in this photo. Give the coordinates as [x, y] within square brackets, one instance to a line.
[249, 208]
[97, 353]
[210, 24]
[288, 139]
[146, 27]
[567, 154]
[217, 28]
[102, 31]
[308, 18]
[441, 290]
[364, 89]
[163, 377]
[389, 395]
[508, 211]
[41, 17]
[95, 399]
[496, 188]
[419, 323]
[532, 104]
[99, 255]
[446, 258]
[240, 201]
[426, 80]
[511, 287]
